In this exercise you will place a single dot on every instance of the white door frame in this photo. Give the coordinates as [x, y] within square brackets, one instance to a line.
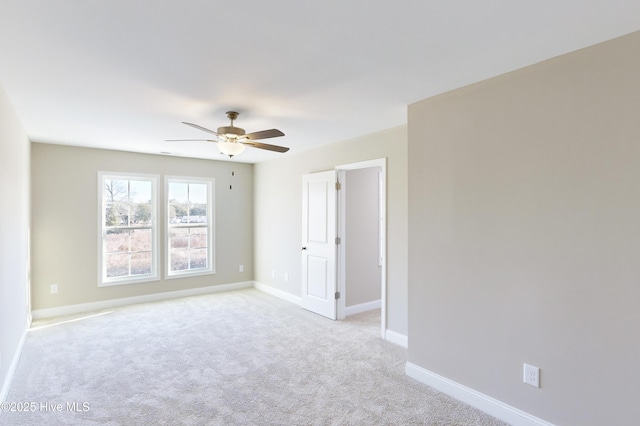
[341, 172]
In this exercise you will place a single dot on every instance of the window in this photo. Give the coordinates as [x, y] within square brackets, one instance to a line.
[189, 226]
[128, 228]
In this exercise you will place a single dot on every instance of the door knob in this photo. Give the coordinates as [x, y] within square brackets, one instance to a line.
[304, 248]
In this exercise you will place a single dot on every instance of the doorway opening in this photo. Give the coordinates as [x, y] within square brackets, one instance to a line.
[361, 260]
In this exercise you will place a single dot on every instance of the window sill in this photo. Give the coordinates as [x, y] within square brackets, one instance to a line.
[127, 281]
[190, 274]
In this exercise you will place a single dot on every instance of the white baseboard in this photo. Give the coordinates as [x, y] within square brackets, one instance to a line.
[114, 303]
[278, 293]
[485, 403]
[14, 364]
[362, 307]
[397, 338]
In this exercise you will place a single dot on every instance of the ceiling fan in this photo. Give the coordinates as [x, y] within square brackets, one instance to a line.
[232, 140]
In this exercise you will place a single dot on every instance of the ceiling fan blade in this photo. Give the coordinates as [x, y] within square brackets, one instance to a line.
[264, 134]
[200, 128]
[266, 146]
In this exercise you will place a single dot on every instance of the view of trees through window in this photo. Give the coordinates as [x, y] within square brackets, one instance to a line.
[128, 227]
[188, 228]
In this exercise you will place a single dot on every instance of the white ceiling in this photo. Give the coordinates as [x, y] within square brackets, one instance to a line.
[123, 74]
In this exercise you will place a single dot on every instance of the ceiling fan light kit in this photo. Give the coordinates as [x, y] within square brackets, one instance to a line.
[232, 140]
[230, 148]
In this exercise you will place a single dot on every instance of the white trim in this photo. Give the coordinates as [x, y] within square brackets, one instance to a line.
[377, 162]
[114, 303]
[491, 406]
[341, 169]
[341, 257]
[396, 338]
[13, 366]
[188, 274]
[362, 307]
[296, 300]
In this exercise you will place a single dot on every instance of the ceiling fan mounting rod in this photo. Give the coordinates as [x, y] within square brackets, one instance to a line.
[232, 115]
[231, 133]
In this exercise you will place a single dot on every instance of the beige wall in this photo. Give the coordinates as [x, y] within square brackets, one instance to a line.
[524, 235]
[278, 213]
[65, 221]
[14, 238]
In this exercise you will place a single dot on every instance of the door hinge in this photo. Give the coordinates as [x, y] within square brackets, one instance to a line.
[337, 240]
[338, 186]
[337, 295]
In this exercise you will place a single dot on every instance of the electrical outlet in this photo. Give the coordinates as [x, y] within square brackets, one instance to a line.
[54, 288]
[241, 268]
[273, 273]
[531, 375]
[286, 276]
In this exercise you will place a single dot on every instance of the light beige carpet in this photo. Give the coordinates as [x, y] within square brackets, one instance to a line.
[236, 358]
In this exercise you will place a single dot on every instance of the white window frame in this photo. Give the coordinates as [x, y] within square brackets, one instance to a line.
[211, 264]
[103, 280]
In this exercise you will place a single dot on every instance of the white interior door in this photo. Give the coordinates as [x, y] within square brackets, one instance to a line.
[319, 243]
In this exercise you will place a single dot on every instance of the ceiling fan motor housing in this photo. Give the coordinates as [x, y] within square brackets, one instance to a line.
[231, 130]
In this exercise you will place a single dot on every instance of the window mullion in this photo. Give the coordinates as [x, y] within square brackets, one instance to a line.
[189, 246]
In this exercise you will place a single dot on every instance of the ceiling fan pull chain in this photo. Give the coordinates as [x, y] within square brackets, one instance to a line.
[231, 175]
